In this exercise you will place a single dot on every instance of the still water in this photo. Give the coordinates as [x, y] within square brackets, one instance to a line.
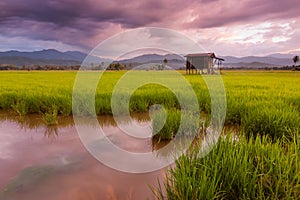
[50, 162]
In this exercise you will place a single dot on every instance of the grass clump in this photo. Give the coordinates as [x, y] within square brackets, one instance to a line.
[256, 168]
[167, 124]
[21, 107]
[50, 117]
[264, 119]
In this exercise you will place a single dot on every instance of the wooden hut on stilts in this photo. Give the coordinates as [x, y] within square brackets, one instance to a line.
[201, 62]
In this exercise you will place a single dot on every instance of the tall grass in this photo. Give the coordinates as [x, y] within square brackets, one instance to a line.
[245, 169]
[259, 102]
[21, 107]
[169, 121]
[50, 117]
[277, 121]
[167, 124]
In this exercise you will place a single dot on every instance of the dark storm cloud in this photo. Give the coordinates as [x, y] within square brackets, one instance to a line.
[68, 12]
[51, 19]
[73, 21]
[131, 14]
[57, 12]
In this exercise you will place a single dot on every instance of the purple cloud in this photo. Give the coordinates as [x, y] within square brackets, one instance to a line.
[81, 23]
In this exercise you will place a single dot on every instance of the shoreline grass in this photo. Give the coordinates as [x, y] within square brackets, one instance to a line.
[253, 168]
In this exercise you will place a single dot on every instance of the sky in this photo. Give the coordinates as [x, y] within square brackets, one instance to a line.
[226, 27]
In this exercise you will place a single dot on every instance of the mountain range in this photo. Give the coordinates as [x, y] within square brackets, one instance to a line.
[178, 61]
[68, 58]
[47, 57]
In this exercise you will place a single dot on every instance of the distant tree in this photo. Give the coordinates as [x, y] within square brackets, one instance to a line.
[38, 67]
[117, 66]
[165, 63]
[130, 66]
[111, 66]
[296, 59]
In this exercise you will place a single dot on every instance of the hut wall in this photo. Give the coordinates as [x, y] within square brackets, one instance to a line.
[201, 62]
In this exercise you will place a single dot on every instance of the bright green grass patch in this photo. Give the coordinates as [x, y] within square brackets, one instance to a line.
[245, 169]
[258, 101]
[266, 118]
[50, 117]
[168, 124]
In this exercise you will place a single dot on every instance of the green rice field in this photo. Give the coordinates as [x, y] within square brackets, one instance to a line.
[262, 106]
[258, 102]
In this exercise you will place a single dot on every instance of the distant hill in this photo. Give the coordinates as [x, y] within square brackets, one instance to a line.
[46, 57]
[177, 61]
[20, 61]
[147, 58]
[68, 58]
[49, 54]
[253, 65]
[174, 61]
[268, 60]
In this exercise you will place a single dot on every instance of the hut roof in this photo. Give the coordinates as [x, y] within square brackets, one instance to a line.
[211, 54]
[201, 55]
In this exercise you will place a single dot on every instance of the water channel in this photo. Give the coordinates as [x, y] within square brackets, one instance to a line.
[50, 162]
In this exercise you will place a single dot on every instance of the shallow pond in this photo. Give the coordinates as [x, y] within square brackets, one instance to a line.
[50, 162]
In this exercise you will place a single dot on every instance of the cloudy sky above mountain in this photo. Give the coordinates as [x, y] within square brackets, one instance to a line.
[227, 27]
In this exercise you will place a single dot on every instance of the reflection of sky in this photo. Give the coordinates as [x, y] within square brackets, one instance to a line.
[17, 139]
[22, 148]
[137, 129]
[8, 138]
[125, 153]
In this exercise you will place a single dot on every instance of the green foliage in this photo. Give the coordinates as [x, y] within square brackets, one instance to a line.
[296, 59]
[236, 169]
[277, 121]
[266, 105]
[21, 107]
[171, 125]
[259, 102]
[50, 117]
[176, 122]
